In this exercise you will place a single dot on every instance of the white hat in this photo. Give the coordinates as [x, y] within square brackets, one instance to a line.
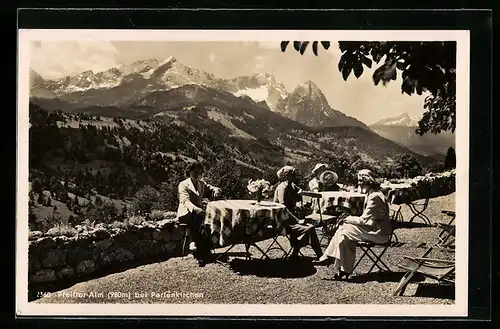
[319, 166]
[329, 177]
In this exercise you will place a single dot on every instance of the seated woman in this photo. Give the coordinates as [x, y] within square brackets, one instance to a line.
[288, 194]
[372, 226]
[315, 184]
[191, 192]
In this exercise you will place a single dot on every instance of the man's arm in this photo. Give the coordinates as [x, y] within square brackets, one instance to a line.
[214, 191]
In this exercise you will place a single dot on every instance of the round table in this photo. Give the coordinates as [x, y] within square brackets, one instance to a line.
[234, 221]
[352, 201]
[402, 193]
[399, 193]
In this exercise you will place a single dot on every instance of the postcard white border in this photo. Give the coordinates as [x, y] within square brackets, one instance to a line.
[460, 308]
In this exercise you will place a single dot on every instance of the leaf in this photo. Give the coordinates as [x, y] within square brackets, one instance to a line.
[385, 73]
[325, 44]
[284, 44]
[303, 47]
[366, 61]
[401, 65]
[392, 72]
[377, 75]
[315, 48]
[407, 87]
[346, 70]
[358, 69]
[418, 88]
[341, 63]
[296, 45]
[377, 55]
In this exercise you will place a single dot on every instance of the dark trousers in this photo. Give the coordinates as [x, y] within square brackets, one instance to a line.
[199, 236]
[307, 236]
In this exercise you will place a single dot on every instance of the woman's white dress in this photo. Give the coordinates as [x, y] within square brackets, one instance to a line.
[374, 226]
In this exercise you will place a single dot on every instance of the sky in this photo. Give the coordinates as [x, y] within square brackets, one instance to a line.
[358, 98]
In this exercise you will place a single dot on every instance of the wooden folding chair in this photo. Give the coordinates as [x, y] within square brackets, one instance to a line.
[321, 220]
[440, 270]
[446, 236]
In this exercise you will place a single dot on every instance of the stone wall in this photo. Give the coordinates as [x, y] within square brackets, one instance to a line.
[56, 258]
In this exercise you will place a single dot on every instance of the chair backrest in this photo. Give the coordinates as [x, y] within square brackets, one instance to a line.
[447, 233]
[317, 197]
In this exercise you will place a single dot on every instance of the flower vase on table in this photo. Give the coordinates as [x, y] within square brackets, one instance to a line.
[259, 188]
[258, 196]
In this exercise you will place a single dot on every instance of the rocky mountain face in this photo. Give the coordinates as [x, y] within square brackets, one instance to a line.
[403, 120]
[309, 106]
[127, 84]
[259, 87]
[256, 108]
[401, 130]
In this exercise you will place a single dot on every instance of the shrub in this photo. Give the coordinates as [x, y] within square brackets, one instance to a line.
[88, 225]
[118, 224]
[106, 213]
[157, 215]
[145, 199]
[62, 229]
[134, 220]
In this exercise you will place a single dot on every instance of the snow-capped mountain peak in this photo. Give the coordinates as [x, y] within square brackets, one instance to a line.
[404, 120]
[169, 60]
[259, 87]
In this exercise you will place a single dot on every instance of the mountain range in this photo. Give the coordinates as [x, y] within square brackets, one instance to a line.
[122, 86]
[401, 129]
[256, 107]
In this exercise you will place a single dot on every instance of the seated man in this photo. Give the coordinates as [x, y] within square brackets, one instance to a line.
[191, 191]
[288, 194]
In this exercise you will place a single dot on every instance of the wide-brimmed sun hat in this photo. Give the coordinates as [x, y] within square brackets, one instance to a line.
[366, 176]
[328, 177]
[319, 166]
[286, 172]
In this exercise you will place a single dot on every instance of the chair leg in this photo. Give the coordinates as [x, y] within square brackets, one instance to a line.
[360, 258]
[377, 259]
[403, 283]
[185, 238]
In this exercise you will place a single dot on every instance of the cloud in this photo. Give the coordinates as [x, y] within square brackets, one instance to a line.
[56, 59]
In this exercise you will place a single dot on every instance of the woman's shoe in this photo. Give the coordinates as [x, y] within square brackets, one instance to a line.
[341, 275]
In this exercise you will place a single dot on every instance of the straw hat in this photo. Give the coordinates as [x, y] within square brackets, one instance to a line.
[285, 172]
[318, 167]
[328, 177]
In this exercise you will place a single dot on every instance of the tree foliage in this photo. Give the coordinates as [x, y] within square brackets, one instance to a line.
[425, 67]
[407, 166]
[450, 160]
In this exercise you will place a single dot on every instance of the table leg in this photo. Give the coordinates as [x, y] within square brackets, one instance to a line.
[419, 213]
